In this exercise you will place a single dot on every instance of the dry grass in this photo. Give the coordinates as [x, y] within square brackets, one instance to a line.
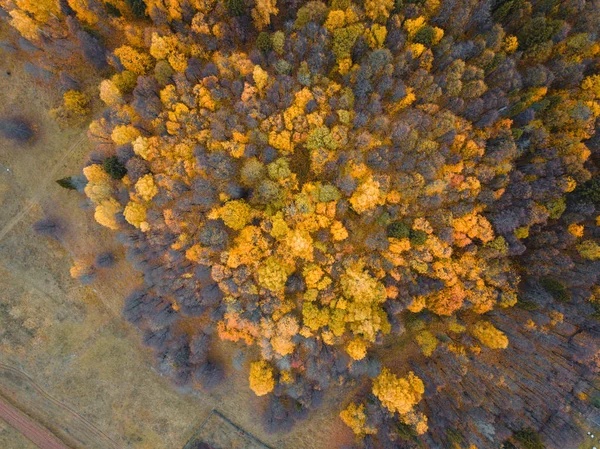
[12, 439]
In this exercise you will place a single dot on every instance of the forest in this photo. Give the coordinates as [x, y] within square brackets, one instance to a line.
[399, 199]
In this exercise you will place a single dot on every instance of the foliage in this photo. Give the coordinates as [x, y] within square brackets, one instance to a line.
[66, 183]
[236, 7]
[590, 190]
[398, 230]
[555, 288]
[354, 417]
[74, 109]
[589, 249]
[332, 182]
[262, 11]
[427, 342]
[529, 439]
[261, 378]
[114, 167]
[263, 42]
[138, 7]
[491, 337]
[400, 395]
[417, 237]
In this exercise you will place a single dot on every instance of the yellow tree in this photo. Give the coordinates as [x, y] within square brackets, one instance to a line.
[398, 394]
[84, 11]
[487, 334]
[110, 93]
[354, 416]
[378, 10]
[261, 13]
[133, 60]
[261, 378]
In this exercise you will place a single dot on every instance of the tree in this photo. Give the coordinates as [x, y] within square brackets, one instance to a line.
[529, 439]
[417, 237]
[555, 288]
[425, 35]
[261, 378]
[263, 42]
[210, 374]
[398, 394]
[133, 60]
[427, 342]
[236, 8]
[261, 13]
[110, 93]
[83, 272]
[67, 183]
[235, 214]
[589, 249]
[491, 337]
[354, 417]
[378, 10]
[74, 109]
[114, 167]
[138, 8]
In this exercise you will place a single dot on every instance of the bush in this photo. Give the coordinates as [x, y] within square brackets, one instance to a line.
[114, 167]
[556, 289]
[16, 129]
[398, 230]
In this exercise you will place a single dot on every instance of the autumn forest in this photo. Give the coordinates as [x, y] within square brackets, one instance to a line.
[392, 203]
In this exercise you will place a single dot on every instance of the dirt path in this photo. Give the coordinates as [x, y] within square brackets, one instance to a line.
[38, 435]
[87, 426]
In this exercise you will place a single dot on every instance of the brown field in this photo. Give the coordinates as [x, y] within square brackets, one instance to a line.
[10, 438]
[66, 356]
